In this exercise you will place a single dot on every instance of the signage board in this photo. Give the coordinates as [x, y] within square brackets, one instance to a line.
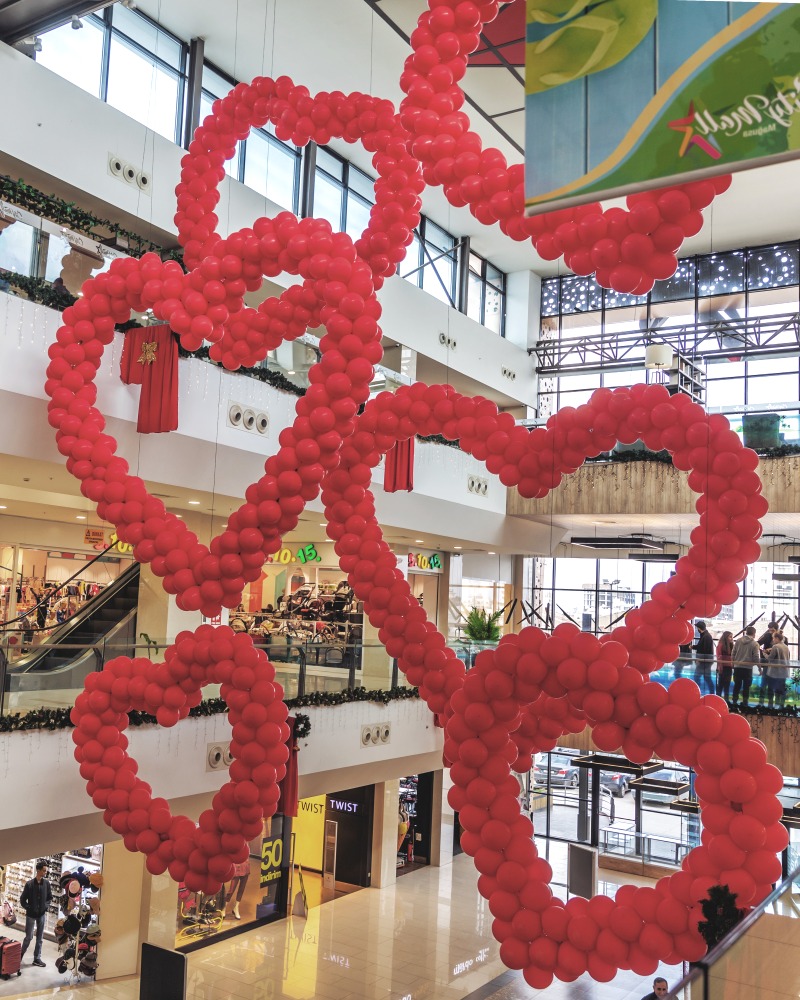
[626, 95]
[425, 562]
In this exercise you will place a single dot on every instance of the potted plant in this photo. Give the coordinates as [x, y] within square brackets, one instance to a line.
[481, 630]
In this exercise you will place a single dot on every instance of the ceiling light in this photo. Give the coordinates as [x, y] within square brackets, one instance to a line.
[491, 553]
[3, 506]
[419, 541]
[179, 515]
[80, 517]
[457, 547]
[654, 557]
[618, 542]
[291, 373]
[195, 503]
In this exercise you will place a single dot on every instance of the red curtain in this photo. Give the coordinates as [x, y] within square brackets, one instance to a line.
[399, 470]
[290, 786]
[150, 359]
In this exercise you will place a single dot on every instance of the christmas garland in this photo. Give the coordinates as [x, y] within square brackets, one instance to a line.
[275, 379]
[67, 213]
[52, 719]
[39, 290]
[331, 699]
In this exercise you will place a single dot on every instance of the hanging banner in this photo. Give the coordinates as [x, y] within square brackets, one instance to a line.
[625, 95]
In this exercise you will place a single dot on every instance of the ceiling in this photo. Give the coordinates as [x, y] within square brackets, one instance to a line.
[362, 44]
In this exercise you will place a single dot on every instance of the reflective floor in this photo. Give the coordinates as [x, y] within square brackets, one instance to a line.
[429, 936]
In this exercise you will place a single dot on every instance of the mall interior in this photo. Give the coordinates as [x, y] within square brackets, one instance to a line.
[361, 888]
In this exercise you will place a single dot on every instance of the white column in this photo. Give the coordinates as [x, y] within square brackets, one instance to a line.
[384, 833]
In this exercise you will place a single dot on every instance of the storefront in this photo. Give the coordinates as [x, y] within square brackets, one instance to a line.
[71, 575]
[425, 571]
[414, 822]
[332, 846]
[72, 929]
[255, 894]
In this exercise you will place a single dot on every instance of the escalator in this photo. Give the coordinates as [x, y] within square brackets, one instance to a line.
[106, 622]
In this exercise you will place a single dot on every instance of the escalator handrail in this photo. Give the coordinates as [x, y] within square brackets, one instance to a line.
[63, 630]
[4, 627]
[84, 650]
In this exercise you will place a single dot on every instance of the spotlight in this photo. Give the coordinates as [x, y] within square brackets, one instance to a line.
[76, 23]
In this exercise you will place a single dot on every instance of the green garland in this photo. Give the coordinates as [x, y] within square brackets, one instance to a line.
[275, 379]
[331, 699]
[53, 719]
[39, 290]
[67, 213]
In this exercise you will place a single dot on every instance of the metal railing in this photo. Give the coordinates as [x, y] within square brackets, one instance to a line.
[302, 668]
[745, 956]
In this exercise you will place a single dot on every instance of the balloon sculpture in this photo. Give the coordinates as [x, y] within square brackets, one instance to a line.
[521, 697]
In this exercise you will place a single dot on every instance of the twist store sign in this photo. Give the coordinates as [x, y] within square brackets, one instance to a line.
[634, 94]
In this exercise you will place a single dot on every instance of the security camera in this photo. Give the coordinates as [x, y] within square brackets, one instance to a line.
[76, 23]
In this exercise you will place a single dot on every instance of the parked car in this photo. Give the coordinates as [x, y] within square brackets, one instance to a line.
[665, 774]
[563, 773]
[616, 783]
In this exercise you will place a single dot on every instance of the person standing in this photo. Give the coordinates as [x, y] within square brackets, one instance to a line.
[704, 657]
[724, 665]
[776, 670]
[34, 900]
[746, 655]
[765, 642]
[660, 989]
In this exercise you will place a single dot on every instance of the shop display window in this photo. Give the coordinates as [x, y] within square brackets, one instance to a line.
[72, 928]
[255, 893]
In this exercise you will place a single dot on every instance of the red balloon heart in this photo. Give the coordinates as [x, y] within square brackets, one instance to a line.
[201, 855]
[505, 710]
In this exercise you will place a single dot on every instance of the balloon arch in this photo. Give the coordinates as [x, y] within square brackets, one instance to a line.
[523, 696]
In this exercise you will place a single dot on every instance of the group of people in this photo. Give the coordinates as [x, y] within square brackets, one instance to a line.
[735, 662]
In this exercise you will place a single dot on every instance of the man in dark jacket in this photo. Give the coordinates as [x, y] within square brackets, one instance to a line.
[660, 989]
[34, 900]
[704, 657]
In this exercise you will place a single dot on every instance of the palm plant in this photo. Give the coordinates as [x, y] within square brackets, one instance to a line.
[481, 626]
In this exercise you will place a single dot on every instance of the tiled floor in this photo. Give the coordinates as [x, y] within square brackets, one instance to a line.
[427, 938]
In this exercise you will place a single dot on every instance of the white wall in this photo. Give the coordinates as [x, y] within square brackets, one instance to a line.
[206, 454]
[65, 133]
[42, 785]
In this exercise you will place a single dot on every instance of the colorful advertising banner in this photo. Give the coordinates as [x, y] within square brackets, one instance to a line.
[624, 95]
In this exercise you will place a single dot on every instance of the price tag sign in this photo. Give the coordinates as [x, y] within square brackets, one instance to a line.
[271, 858]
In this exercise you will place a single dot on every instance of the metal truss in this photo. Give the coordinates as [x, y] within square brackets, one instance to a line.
[717, 338]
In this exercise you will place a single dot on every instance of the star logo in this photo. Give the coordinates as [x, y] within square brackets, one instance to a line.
[148, 355]
[691, 138]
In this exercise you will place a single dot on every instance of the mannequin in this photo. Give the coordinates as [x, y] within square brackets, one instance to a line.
[241, 874]
[402, 826]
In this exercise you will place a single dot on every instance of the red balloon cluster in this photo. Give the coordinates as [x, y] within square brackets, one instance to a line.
[735, 786]
[201, 855]
[533, 689]
[628, 250]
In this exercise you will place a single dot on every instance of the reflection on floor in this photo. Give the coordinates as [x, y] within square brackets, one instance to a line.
[426, 938]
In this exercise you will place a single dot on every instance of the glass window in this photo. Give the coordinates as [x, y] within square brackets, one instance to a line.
[772, 389]
[143, 89]
[17, 248]
[725, 392]
[76, 56]
[724, 272]
[148, 35]
[330, 164]
[679, 286]
[357, 216]
[271, 169]
[475, 297]
[769, 267]
[551, 296]
[328, 197]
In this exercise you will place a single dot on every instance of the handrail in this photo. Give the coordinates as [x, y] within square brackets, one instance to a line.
[734, 935]
[4, 627]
